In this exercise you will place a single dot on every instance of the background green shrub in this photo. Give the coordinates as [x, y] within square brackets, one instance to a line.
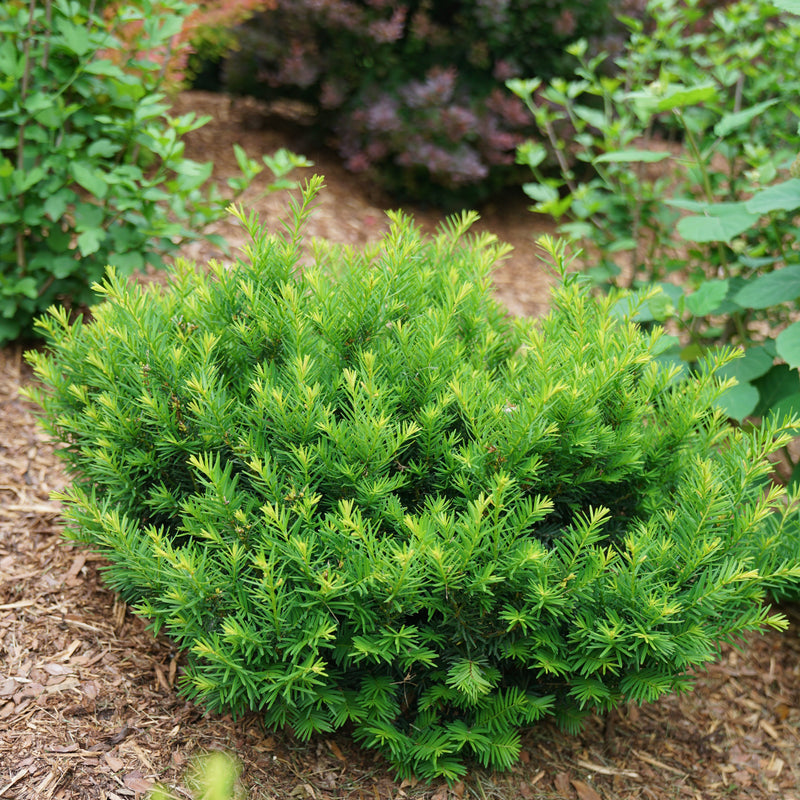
[92, 170]
[676, 172]
[206, 35]
[413, 92]
[359, 493]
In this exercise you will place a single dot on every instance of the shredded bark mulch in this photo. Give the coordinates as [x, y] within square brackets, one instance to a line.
[89, 702]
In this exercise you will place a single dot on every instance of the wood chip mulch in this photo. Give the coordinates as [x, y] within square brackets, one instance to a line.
[89, 706]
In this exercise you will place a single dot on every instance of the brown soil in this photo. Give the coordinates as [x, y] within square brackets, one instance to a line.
[88, 701]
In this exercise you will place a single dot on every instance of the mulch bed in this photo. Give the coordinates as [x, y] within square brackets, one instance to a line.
[89, 702]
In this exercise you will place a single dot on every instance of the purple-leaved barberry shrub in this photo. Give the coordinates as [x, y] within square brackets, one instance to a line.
[413, 92]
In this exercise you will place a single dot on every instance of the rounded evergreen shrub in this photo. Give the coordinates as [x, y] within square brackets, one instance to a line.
[359, 493]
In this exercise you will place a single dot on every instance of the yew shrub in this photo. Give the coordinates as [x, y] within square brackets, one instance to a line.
[359, 493]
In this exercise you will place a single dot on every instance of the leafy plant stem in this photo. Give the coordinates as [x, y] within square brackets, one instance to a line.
[779, 240]
[741, 326]
[562, 161]
[159, 81]
[698, 158]
[26, 76]
[48, 16]
[636, 227]
[566, 171]
[707, 188]
[737, 99]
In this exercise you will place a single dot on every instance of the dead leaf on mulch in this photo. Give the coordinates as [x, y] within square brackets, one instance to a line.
[562, 783]
[138, 783]
[585, 792]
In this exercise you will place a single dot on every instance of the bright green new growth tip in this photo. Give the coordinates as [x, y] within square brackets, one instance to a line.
[358, 493]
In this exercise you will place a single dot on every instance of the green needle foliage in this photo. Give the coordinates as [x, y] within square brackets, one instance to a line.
[359, 494]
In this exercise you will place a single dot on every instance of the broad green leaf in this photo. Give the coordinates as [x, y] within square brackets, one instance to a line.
[635, 307]
[658, 307]
[89, 179]
[540, 192]
[155, 195]
[577, 230]
[524, 88]
[682, 96]
[792, 6]
[784, 196]
[33, 215]
[621, 245]
[242, 159]
[26, 286]
[593, 116]
[58, 242]
[26, 179]
[90, 240]
[165, 27]
[779, 383]
[707, 298]
[644, 103]
[127, 262]
[577, 48]
[634, 23]
[56, 204]
[192, 174]
[693, 352]
[632, 155]
[731, 122]
[37, 102]
[788, 344]
[105, 67]
[739, 401]
[283, 161]
[675, 293]
[63, 265]
[10, 65]
[603, 273]
[125, 237]
[755, 362]
[531, 154]
[787, 407]
[104, 148]
[780, 286]
[50, 117]
[688, 204]
[76, 37]
[88, 215]
[721, 223]
[9, 329]
[752, 262]
[189, 122]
